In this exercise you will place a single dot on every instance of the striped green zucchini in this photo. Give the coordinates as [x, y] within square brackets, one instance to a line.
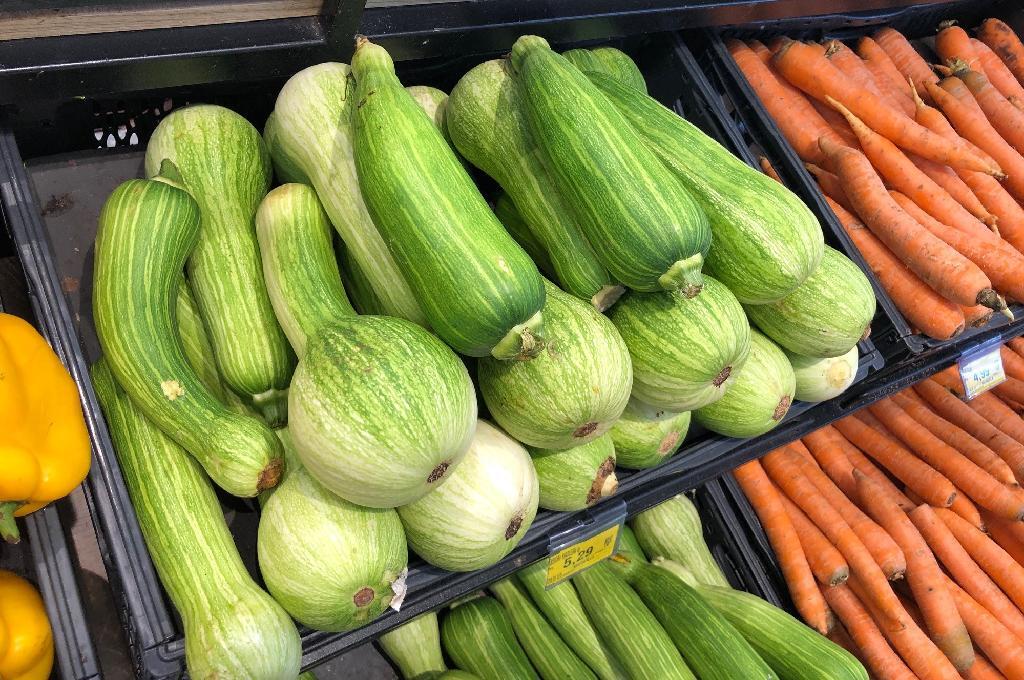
[286, 168]
[434, 103]
[822, 379]
[576, 478]
[562, 608]
[826, 316]
[628, 555]
[646, 435]
[415, 647]
[628, 627]
[299, 265]
[488, 124]
[232, 628]
[611, 62]
[477, 635]
[508, 214]
[712, 647]
[314, 116]
[484, 509]
[480, 291]
[457, 675]
[357, 284]
[673, 530]
[546, 650]
[147, 228]
[573, 391]
[684, 350]
[330, 563]
[766, 241]
[759, 397]
[224, 164]
[654, 235]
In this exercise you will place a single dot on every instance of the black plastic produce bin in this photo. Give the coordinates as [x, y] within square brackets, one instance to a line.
[738, 102]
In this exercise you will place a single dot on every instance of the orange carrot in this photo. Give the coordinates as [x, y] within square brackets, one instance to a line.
[995, 561]
[1001, 646]
[1005, 43]
[829, 185]
[759, 48]
[1017, 345]
[986, 404]
[924, 576]
[880, 63]
[878, 655]
[785, 542]
[964, 570]
[858, 71]
[1011, 390]
[776, 43]
[953, 43]
[839, 636]
[783, 466]
[817, 76]
[863, 464]
[1006, 118]
[908, 468]
[961, 505]
[836, 122]
[983, 670]
[996, 71]
[798, 122]
[977, 316]
[1013, 363]
[905, 57]
[1003, 533]
[768, 169]
[827, 563]
[951, 274]
[948, 179]
[827, 450]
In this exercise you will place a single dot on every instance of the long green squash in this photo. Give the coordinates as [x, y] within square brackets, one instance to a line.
[484, 509]
[434, 103]
[646, 435]
[826, 315]
[415, 647]
[487, 122]
[759, 397]
[573, 391]
[673, 530]
[611, 62]
[684, 350]
[508, 214]
[628, 627]
[224, 164]
[653, 235]
[299, 264]
[147, 228]
[562, 608]
[232, 628]
[477, 635]
[286, 168]
[456, 674]
[547, 651]
[766, 242]
[576, 478]
[314, 115]
[357, 285]
[330, 563]
[480, 291]
[822, 379]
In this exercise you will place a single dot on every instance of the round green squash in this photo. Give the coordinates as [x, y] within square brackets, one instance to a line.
[758, 398]
[576, 478]
[646, 435]
[826, 315]
[573, 391]
[684, 350]
[821, 379]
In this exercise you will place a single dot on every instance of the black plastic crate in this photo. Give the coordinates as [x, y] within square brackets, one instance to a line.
[737, 102]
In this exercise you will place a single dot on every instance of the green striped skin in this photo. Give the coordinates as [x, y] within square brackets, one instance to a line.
[628, 628]
[314, 114]
[576, 478]
[546, 650]
[794, 651]
[477, 635]
[482, 511]
[629, 555]
[823, 379]
[611, 62]
[508, 214]
[357, 285]
[759, 397]
[380, 410]
[299, 265]
[286, 168]
[225, 166]
[573, 391]
[712, 647]
[415, 647]
[147, 228]
[457, 675]
[487, 122]
[643, 224]
[826, 316]
[673, 530]
[434, 103]
[766, 241]
[232, 628]
[562, 608]
[328, 562]
[684, 350]
[480, 291]
[646, 435]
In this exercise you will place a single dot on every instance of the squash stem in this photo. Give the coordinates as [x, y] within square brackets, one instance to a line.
[8, 526]
[684, 276]
[606, 297]
[522, 342]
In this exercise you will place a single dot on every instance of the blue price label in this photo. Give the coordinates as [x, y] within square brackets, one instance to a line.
[981, 368]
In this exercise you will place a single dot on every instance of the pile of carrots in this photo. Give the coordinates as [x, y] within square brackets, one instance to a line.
[926, 174]
[900, 528]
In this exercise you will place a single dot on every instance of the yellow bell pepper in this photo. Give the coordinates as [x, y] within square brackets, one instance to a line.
[26, 639]
[44, 444]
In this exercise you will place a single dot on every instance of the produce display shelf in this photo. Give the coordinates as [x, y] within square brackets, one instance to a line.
[738, 102]
[44, 557]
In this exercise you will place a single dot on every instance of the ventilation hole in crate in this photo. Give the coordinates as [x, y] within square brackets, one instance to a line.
[98, 134]
[133, 140]
[122, 131]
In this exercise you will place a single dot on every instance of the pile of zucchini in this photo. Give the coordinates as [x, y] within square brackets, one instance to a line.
[303, 344]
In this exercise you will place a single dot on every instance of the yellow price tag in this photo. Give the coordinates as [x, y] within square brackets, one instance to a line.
[572, 559]
[981, 370]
